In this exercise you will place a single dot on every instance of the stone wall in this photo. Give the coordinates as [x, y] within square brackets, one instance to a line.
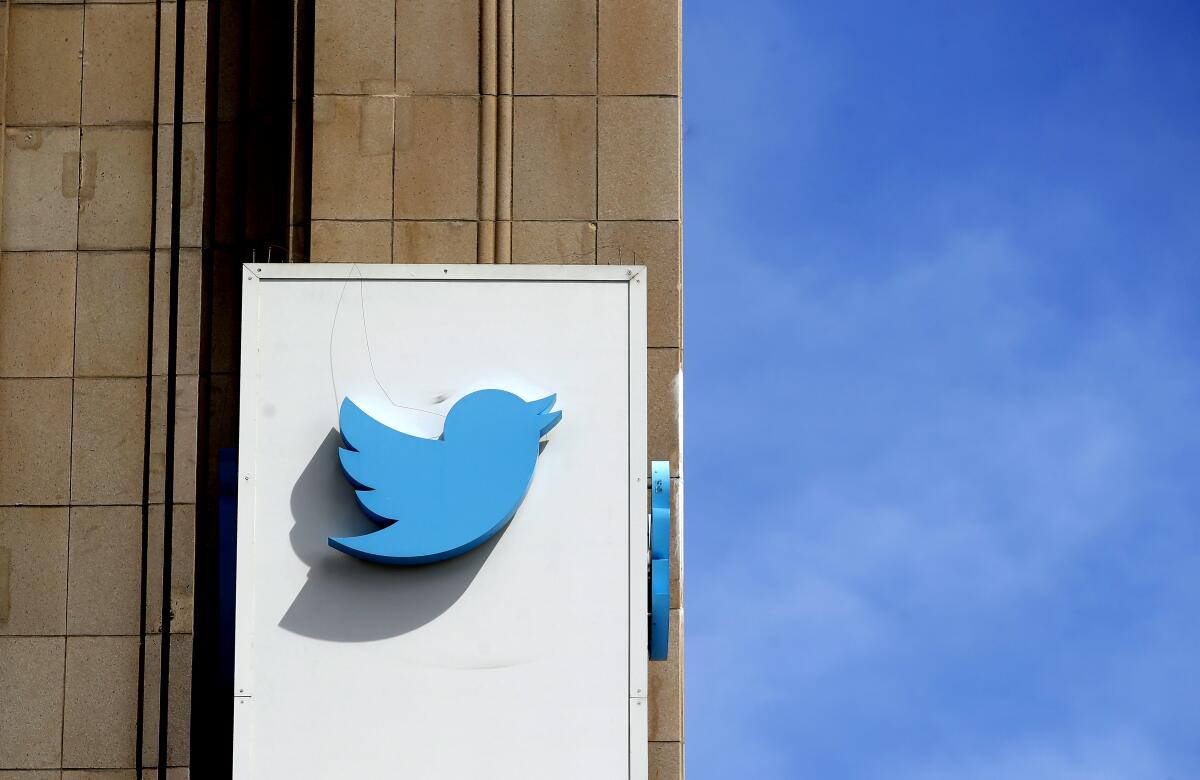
[86, 189]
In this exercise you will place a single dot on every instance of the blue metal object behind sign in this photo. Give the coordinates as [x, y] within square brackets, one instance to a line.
[660, 558]
[660, 509]
[660, 608]
[227, 482]
[439, 498]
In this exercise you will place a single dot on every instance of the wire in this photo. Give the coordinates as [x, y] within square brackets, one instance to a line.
[354, 269]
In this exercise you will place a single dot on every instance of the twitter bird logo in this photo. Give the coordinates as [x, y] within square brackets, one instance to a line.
[439, 498]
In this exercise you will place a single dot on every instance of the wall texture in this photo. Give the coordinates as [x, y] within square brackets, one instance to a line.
[86, 236]
[522, 131]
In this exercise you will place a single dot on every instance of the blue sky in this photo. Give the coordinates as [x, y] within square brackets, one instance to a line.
[942, 277]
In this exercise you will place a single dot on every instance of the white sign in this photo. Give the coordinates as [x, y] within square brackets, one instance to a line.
[523, 658]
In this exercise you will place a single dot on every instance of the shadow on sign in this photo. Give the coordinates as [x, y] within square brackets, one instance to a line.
[349, 600]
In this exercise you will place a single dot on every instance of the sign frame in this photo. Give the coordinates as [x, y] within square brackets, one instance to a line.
[634, 278]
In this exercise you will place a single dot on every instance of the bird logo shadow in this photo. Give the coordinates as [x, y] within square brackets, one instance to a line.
[345, 599]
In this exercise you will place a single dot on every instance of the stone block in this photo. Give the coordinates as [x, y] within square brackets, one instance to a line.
[639, 158]
[554, 158]
[664, 405]
[41, 188]
[188, 314]
[555, 243]
[100, 702]
[298, 243]
[354, 52]
[666, 687]
[3, 55]
[179, 700]
[183, 557]
[666, 761]
[104, 593]
[35, 441]
[352, 157]
[341, 241]
[114, 188]
[676, 549]
[31, 674]
[554, 47]
[434, 242]
[45, 64]
[191, 186]
[118, 63]
[108, 441]
[37, 313]
[437, 158]
[437, 47]
[195, 62]
[110, 329]
[656, 245]
[639, 47]
[186, 400]
[33, 582]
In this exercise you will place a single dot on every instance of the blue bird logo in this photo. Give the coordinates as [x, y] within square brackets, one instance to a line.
[439, 498]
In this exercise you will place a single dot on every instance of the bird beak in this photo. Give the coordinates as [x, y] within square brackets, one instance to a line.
[551, 421]
[542, 404]
[541, 407]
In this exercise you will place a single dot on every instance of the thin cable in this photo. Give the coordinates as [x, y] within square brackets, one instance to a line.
[337, 400]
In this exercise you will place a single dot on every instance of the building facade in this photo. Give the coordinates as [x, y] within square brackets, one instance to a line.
[148, 153]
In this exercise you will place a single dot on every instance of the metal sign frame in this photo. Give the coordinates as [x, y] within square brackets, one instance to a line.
[633, 278]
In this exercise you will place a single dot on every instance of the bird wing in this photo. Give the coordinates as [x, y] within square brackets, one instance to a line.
[388, 468]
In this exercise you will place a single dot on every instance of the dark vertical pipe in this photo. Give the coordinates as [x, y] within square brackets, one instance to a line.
[209, 700]
[147, 427]
[172, 363]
